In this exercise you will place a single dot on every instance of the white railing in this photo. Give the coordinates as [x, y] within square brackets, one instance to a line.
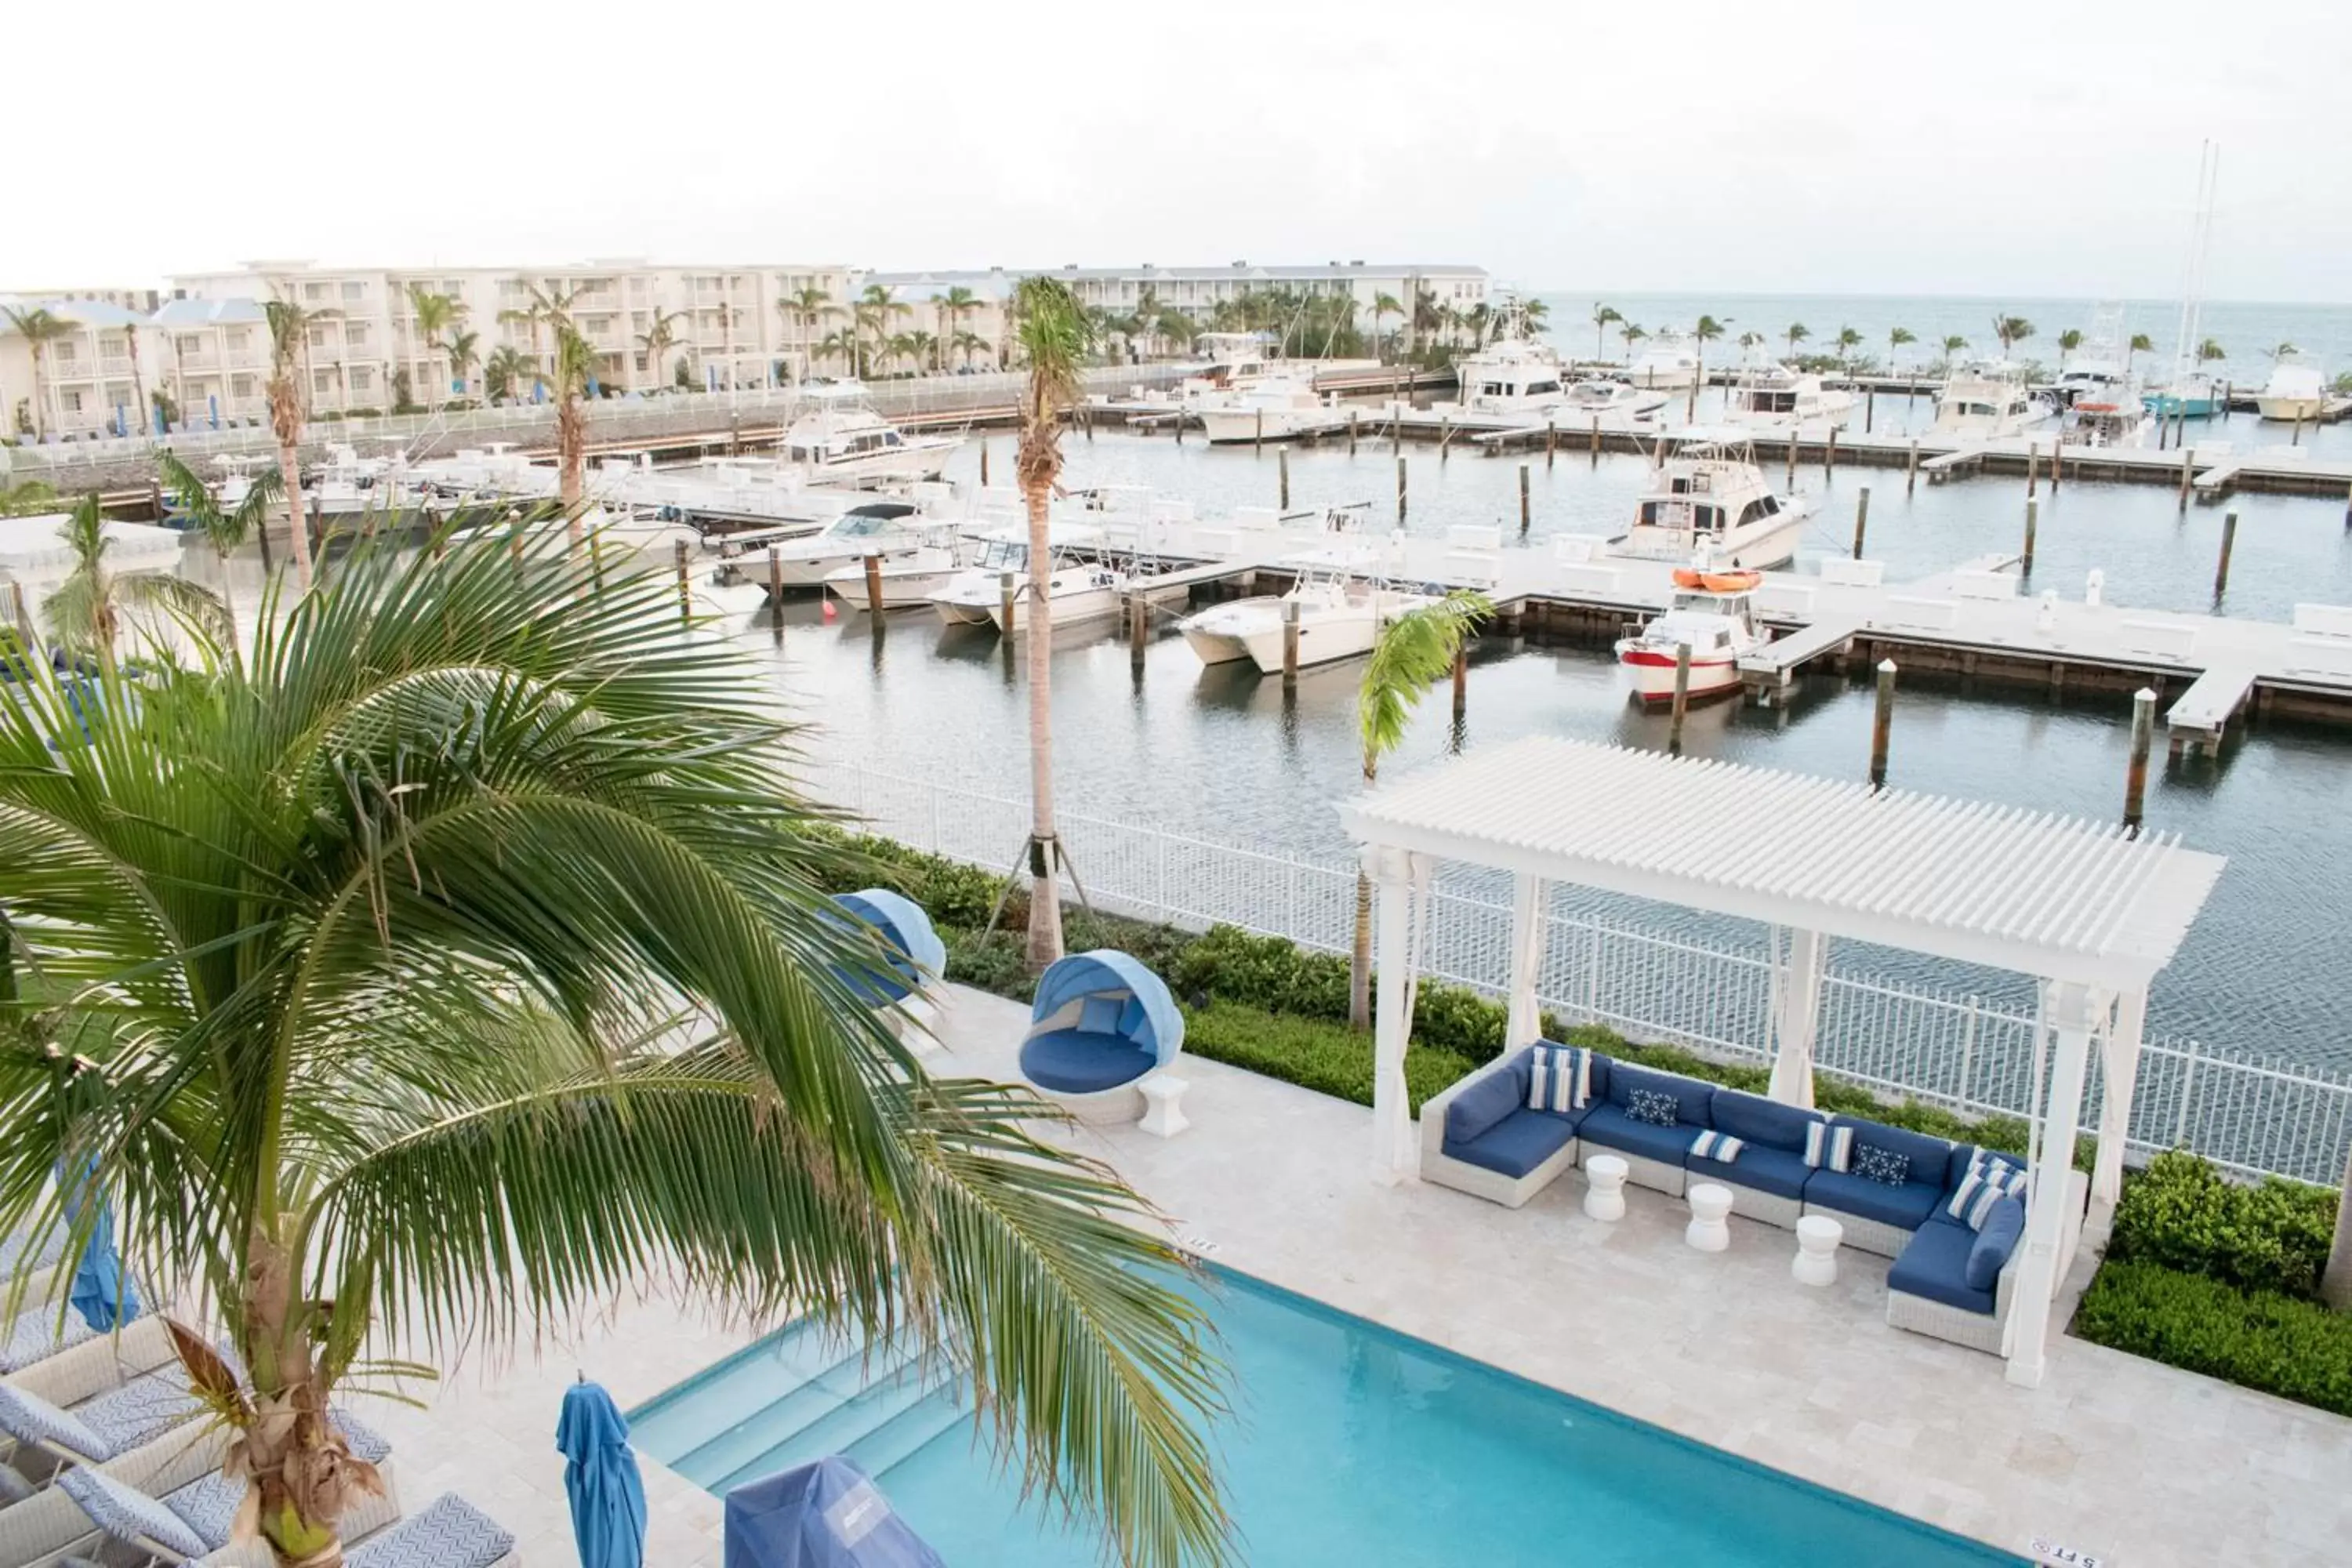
[1969, 1052]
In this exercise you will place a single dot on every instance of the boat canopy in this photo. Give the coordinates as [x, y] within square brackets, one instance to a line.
[1152, 1023]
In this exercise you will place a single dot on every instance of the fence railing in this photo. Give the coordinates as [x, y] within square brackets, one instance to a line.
[1968, 1052]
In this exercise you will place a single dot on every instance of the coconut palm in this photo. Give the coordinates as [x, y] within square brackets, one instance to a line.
[434, 314]
[550, 308]
[1707, 331]
[1895, 340]
[464, 348]
[39, 327]
[959, 303]
[658, 339]
[1848, 340]
[226, 531]
[842, 344]
[2011, 331]
[508, 369]
[916, 347]
[2141, 343]
[137, 378]
[1413, 652]
[2210, 350]
[86, 610]
[412, 1011]
[807, 308]
[2068, 341]
[1749, 341]
[878, 306]
[1797, 333]
[966, 344]
[2283, 351]
[1632, 333]
[1383, 307]
[1953, 345]
[289, 337]
[1056, 336]
[575, 364]
[1602, 315]
[1535, 312]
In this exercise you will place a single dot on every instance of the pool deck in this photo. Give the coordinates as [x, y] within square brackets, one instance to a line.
[2142, 1465]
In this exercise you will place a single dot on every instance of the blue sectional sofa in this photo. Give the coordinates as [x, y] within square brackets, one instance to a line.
[1949, 1278]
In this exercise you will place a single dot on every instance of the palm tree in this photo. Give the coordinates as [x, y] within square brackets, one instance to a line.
[575, 367]
[1749, 341]
[412, 1012]
[2283, 351]
[1797, 333]
[138, 379]
[805, 308]
[434, 314]
[508, 369]
[841, 344]
[1895, 341]
[1632, 333]
[966, 344]
[1534, 312]
[550, 307]
[1056, 336]
[658, 339]
[1707, 331]
[2068, 341]
[465, 351]
[289, 336]
[2011, 331]
[2210, 350]
[1413, 652]
[2141, 343]
[874, 310]
[1848, 340]
[1953, 345]
[39, 327]
[1601, 316]
[86, 610]
[1383, 307]
[959, 302]
[226, 531]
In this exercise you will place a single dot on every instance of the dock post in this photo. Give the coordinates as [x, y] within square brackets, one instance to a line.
[1179, 423]
[1139, 629]
[1596, 440]
[1444, 435]
[1282, 479]
[1399, 486]
[1870, 409]
[1461, 682]
[1523, 498]
[1351, 432]
[2032, 465]
[1882, 723]
[1682, 698]
[983, 456]
[1551, 440]
[1829, 455]
[873, 589]
[2142, 736]
[1791, 484]
[685, 588]
[1911, 469]
[2296, 439]
[2025, 560]
[1290, 643]
[776, 594]
[2188, 472]
[2348, 507]
[1007, 596]
[2229, 542]
[1861, 521]
[1258, 435]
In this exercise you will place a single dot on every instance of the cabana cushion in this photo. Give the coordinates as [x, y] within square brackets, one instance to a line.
[29, 1418]
[1484, 1104]
[37, 1335]
[1930, 1158]
[1100, 1015]
[1754, 1120]
[1989, 1254]
[128, 1514]
[1611, 1126]
[1934, 1265]
[1517, 1143]
[1907, 1206]
[1075, 1062]
[450, 1533]
[1692, 1100]
[1767, 1170]
[1130, 1017]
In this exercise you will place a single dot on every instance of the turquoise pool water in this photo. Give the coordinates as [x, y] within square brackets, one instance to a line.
[1351, 1444]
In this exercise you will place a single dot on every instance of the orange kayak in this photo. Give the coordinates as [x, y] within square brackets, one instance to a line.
[1717, 582]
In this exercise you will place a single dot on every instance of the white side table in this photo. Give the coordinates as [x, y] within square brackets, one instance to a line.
[1604, 1188]
[1709, 1203]
[1163, 1105]
[1818, 1236]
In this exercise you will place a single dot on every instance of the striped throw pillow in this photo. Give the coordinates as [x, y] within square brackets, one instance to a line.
[1713, 1145]
[1990, 1179]
[1562, 1081]
[1829, 1146]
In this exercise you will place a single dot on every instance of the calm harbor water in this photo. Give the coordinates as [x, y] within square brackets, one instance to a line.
[1218, 752]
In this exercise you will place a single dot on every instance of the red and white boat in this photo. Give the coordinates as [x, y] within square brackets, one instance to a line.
[1711, 615]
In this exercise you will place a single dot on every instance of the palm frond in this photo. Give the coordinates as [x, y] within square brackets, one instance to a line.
[1414, 651]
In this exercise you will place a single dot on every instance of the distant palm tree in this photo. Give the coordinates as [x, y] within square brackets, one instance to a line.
[2210, 350]
[1953, 345]
[968, 344]
[1535, 312]
[289, 337]
[1707, 331]
[39, 327]
[574, 367]
[1848, 340]
[464, 348]
[876, 306]
[844, 344]
[1383, 307]
[2011, 331]
[86, 610]
[2141, 343]
[1797, 333]
[503, 375]
[1055, 335]
[807, 308]
[1895, 341]
[1749, 341]
[436, 314]
[550, 307]
[2068, 341]
[138, 380]
[2282, 352]
[916, 347]
[658, 338]
[1602, 315]
[226, 531]
[1413, 653]
[1632, 333]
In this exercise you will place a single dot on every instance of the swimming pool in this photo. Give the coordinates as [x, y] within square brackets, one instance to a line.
[1351, 1444]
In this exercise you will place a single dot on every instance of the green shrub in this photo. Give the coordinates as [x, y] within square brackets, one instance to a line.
[1331, 1058]
[1266, 972]
[2183, 1213]
[2257, 1338]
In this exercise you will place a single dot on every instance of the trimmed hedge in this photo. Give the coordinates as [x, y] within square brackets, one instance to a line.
[1331, 1058]
[2182, 1214]
[2258, 1339]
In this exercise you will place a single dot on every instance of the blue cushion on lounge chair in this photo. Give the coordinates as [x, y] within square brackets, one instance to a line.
[1767, 1170]
[450, 1533]
[1993, 1243]
[1692, 1100]
[33, 1420]
[128, 1514]
[1935, 1264]
[1906, 1206]
[1517, 1143]
[1611, 1126]
[1758, 1121]
[37, 1335]
[1071, 1061]
[1483, 1104]
[1100, 1015]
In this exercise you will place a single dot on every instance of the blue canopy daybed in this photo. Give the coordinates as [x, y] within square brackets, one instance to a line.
[1101, 1021]
[916, 956]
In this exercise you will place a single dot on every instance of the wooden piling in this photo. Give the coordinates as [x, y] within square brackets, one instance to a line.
[2032, 465]
[1179, 426]
[2188, 474]
[1792, 483]
[1444, 435]
[1861, 521]
[1399, 486]
[1282, 481]
[1257, 436]
[2143, 737]
[1829, 455]
[1007, 595]
[2296, 439]
[2057, 463]
[1290, 643]
[2229, 542]
[1596, 440]
[1869, 410]
[983, 453]
[1681, 696]
[1139, 629]
[1911, 470]
[1351, 432]
[1551, 440]
[2025, 558]
[874, 587]
[684, 587]
[776, 594]
[1523, 498]
[1882, 723]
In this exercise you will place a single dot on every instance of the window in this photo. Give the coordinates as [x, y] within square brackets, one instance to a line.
[187, 344]
[240, 340]
[362, 378]
[318, 336]
[356, 334]
[67, 350]
[314, 291]
[322, 382]
[641, 362]
[453, 287]
[73, 402]
[241, 386]
[354, 292]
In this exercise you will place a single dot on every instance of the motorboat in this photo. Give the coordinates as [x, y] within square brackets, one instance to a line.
[1275, 405]
[1080, 588]
[838, 438]
[1712, 615]
[2106, 420]
[1229, 362]
[889, 529]
[1511, 375]
[2194, 397]
[1775, 398]
[1600, 396]
[1342, 604]
[1708, 506]
[2295, 391]
[1986, 403]
[1668, 361]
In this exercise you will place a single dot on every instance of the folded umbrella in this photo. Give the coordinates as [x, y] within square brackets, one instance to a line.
[602, 1480]
[102, 1293]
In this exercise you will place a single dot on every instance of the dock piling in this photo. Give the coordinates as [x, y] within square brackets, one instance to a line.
[2032, 465]
[1682, 698]
[1882, 723]
[1399, 486]
[1290, 643]
[1861, 521]
[1282, 480]
[2057, 463]
[1444, 435]
[1870, 410]
[984, 455]
[1523, 498]
[2143, 737]
[2222, 568]
[1911, 470]
[2025, 557]
[1005, 597]
[1551, 440]
[2296, 439]
[1829, 455]
[1596, 440]
[1792, 483]
[684, 587]
[1351, 432]
[2187, 473]
[776, 594]
[1139, 629]
[873, 589]
[1257, 435]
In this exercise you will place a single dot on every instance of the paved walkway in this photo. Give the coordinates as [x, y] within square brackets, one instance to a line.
[2141, 1464]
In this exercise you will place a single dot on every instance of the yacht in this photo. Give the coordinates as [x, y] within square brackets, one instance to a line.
[2117, 419]
[1667, 363]
[2294, 391]
[889, 529]
[1081, 588]
[1510, 375]
[1272, 405]
[1229, 362]
[1708, 506]
[1774, 397]
[1602, 396]
[1987, 402]
[1343, 606]
[1711, 614]
[839, 438]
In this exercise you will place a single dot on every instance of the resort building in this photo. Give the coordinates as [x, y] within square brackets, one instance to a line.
[95, 375]
[1197, 291]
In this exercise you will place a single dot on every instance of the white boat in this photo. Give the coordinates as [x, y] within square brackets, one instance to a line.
[839, 438]
[2295, 390]
[1667, 363]
[889, 529]
[1707, 505]
[1775, 398]
[1716, 623]
[1511, 375]
[1272, 405]
[1081, 588]
[1600, 397]
[1986, 403]
[1343, 606]
[1229, 362]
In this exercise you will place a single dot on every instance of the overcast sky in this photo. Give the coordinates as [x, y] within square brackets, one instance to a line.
[1990, 148]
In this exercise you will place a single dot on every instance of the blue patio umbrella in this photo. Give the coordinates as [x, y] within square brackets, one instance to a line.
[212, 407]
[102, 1293]
[602, 1480]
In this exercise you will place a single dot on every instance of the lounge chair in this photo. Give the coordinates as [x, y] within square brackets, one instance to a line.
[99, 1429]
[1100, 1022]
[450, 1533]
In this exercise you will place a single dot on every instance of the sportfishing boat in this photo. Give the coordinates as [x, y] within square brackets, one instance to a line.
[1775, 398]
[1510, 375]
[1598, 396]
[1228, 363]
[1707, 505]
[1668, 363]
[1987, 402]
[2106, 420]
[1276, 405]
[2295, 390]
[1080, 588]
[889, 529]
[1711, 615]
[839, 438]
[1342, 603]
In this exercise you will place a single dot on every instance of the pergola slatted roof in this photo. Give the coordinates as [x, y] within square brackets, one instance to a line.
[2033, 892]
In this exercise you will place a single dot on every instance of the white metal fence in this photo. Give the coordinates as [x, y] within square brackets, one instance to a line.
[1968, 1052]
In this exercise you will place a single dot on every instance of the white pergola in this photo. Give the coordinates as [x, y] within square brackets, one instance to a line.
[2089, 911]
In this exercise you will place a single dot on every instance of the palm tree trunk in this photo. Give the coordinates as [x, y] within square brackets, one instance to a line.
[1360, 955]
[2335, 1280]
[40, 393]
[285, 420]
[1045, 848]
[571, 442]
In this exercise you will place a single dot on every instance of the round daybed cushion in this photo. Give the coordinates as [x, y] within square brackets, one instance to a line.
[1074, 1061]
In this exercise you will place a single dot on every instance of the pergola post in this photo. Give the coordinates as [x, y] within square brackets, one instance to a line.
[1796, 1013]
[2069, 1008]
[2120, 1064]
[1525, 1021]
[1395, 1156]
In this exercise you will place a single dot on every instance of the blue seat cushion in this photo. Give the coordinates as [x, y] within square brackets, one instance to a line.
[1774, 1171]
[1692, 1100]
[1609, 1125]
[1906, 1206]
[1072, 1061]
[1517, 1143]
[1760, 1121]
[1936, 1265]
[1484, 1103]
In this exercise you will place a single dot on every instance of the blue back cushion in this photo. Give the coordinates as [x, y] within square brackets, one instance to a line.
[1098, 1016]
[1130, 1017]
[1692, 1100]
[1477, 1107]
[1999, 1238]
[1761, 1121]
[1930, 1158]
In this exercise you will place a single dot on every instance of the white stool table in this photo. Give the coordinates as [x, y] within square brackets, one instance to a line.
[1604, 1188]
[1818, 1236]
[1709, 1203]
[1163, 1105]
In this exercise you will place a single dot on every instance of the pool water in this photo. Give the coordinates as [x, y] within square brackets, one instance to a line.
[1348, 1444]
